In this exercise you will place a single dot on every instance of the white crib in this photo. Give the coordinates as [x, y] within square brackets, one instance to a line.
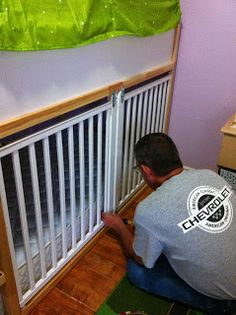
[55, 182]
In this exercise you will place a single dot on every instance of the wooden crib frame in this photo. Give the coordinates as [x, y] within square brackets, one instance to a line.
[10, 127]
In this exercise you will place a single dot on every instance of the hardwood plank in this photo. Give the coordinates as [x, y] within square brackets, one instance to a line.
[106, 268]
[87, 286]
[59, 303]
[109, 249]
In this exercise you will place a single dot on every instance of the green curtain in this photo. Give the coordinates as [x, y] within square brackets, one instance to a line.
[52, 24]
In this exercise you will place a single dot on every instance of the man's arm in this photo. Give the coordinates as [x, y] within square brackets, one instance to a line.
[126, 236]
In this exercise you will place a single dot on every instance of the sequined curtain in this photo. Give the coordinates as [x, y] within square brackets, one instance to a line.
[52, 24]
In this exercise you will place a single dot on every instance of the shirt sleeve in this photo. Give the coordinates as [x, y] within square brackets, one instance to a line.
[146, 245]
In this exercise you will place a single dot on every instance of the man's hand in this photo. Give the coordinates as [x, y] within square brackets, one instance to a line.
[113, 221]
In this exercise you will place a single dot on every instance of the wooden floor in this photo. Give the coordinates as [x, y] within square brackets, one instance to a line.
[88, 284]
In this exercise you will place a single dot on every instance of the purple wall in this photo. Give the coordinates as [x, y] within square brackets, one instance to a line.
[205, 85]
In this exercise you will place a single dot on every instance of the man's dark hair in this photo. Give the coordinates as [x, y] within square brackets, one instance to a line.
[158, 152]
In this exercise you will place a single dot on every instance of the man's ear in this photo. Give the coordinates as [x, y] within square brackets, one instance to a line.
[150, 178]
[146, 170]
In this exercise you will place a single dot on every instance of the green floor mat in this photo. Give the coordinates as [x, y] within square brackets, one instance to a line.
[126, 297]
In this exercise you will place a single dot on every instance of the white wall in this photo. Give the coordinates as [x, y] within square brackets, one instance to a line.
[33, 80]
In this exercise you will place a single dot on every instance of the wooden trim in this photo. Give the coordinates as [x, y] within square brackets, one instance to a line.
[58, 277]
[20, 123]
[176, 43]
[142, 77]
[171, 91]
[8, 289]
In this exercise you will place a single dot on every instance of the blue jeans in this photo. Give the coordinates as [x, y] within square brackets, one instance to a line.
[163, 281]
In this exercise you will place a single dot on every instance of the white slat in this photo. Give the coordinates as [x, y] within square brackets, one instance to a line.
[91, 174]
[72, 184]
[106, 163]
[161, 108]
[117, 143]
[61, 172]
[82, 179]
[154, 109]
[143, 128]
[159, 103]
[144, 116]
[99, 167]
[23, 216]
[50, 206]
[136, 178]
[150, 107]
[37, 207]
[126, 150]
[109, 163]
[107, 183]
[131, 147]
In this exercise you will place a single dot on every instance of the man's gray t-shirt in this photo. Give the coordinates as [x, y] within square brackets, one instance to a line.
[189, 219]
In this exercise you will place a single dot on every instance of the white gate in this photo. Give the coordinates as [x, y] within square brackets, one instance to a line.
[55, 183]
